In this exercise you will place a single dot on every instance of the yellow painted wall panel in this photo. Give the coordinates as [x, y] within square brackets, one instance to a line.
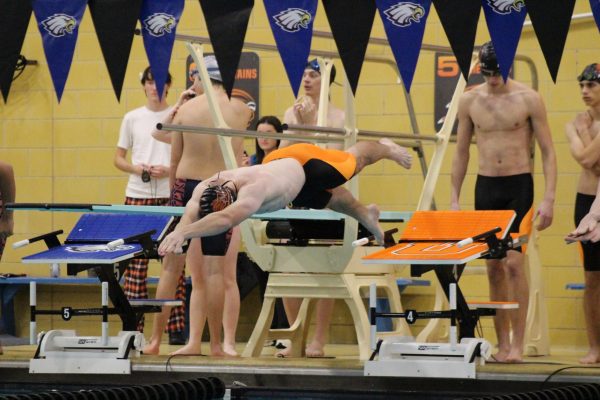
[63, 152]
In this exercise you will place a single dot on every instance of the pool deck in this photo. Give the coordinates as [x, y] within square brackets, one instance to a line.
[342, 371]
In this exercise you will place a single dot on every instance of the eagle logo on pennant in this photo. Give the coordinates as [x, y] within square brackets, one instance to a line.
[59, 25]
[159, 24]
[293, 19]
[404, 14]
[506, 6]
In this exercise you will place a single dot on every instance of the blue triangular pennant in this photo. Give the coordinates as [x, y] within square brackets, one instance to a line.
[595, 5]
[292, 25]
[404, 23]
[159, 19]
[505, 23]
[58, 22]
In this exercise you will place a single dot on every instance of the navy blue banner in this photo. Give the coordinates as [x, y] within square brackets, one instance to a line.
[595, 5]
[14, 19]
[404, 23]
[159, 19]
[58, 22]
[505, 23]
[292, 25]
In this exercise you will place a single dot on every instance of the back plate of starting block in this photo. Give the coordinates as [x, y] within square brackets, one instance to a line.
[431, 237]
[103, 228]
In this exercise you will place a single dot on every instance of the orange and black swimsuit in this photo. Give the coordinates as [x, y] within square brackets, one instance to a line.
[325, 169]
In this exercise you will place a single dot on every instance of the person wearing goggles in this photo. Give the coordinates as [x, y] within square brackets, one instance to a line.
[505, 117]
[583, 134]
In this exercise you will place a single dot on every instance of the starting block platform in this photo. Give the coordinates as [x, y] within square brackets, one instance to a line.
[105, 243]
[442, 241]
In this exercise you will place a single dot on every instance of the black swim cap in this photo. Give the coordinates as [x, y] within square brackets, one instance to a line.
[488, 62]
[590, 73]
[314, 65]
[216, 198]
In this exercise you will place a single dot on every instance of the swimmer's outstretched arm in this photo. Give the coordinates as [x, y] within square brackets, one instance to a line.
[218, 222]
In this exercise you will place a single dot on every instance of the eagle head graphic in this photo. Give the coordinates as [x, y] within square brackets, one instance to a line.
[293, 19]
[159, 24]
[506, 6]
[59, 25]
[405, 13]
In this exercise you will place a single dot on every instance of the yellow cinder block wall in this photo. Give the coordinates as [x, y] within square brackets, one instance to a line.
[64, 152]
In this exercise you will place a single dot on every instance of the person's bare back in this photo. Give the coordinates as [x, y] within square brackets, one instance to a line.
[502, 124]
[201, 155]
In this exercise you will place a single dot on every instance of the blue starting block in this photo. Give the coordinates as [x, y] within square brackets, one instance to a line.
[105, 243]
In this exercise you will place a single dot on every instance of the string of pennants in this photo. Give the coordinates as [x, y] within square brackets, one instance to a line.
[291, 22]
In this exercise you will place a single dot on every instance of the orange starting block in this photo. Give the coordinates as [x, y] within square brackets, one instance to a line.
[434, 237]
[444, 241]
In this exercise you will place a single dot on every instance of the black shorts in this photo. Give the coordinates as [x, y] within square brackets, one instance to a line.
[325, 169]
[590, 252]
[514, 192]
[321, 177]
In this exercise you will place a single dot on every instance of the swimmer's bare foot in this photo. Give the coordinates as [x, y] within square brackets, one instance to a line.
[371, 222]
[592, 357]
[287, 352]
[190, 349]
[217, 351]
[315, 349]
[398, 153]
[515, 356]
[152, 347]
[500, 356]
[229, 350]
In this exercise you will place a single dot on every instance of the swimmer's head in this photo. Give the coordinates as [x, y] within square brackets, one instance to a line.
[314, 65]
[216, 198]
[590, 73]
[488, 62]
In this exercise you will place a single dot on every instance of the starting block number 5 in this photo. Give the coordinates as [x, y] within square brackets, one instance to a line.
[67, 313]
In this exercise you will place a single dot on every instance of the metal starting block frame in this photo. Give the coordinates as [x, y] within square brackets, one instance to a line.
[105, 243]
[402, 356]
[442, 241]
[63, 352]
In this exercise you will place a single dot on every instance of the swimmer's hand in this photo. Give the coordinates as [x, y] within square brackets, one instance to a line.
[172, 243]
[545, 214]
[587, 231]
[305, 111]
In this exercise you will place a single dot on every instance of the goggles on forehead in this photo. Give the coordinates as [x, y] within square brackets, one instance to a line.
[314, 65]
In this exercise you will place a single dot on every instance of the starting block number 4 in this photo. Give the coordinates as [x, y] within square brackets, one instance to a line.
[411, 316]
